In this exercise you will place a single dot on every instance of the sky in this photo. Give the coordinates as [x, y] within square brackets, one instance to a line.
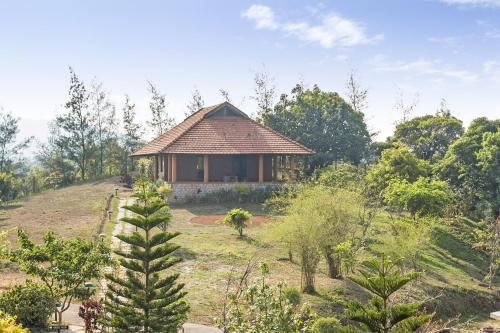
[422, 50]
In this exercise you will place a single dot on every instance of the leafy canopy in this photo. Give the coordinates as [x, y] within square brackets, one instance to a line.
[238, 218]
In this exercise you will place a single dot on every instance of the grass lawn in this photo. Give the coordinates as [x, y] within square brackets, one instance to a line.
[452, 270]
[70, 212]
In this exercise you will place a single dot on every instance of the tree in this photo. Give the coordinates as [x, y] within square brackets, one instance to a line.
[265, 91]
[195, 104]
[142, 300]
[31, 303]
[471, 168]
[8, 190]
[423, 197]
[160, 119]
[237, 218]
[10, 148]
[429, 136]
[77, 126]
[488, 240]
[132, 130]
[322, 121]
[62, 265]
[395, 163]
[383, 278]
[356, 95]
[104, 115]
[404, 108]
[225, 95]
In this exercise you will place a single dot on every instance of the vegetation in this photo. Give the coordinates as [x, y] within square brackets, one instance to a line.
[62, 265]
[8, 324]
[237, 218]
[142, 300]
[382, 278]
[31, 303]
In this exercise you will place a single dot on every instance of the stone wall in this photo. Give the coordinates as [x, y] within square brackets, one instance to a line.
[181, 191]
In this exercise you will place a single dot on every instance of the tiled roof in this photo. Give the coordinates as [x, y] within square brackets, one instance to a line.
[231, 134]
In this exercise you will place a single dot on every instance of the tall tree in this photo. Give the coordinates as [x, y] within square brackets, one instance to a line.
[10, 148]
[132, 130]
[77, 126]
[429, 136]
[265, 92]
[322, 121]
[356, 95]
[160, 119]
[195, 104]
[147, 299]
[404, 108]
[471, 166]
[104, 114]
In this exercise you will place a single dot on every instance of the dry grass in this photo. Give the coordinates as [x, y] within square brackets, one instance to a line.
[70, 212]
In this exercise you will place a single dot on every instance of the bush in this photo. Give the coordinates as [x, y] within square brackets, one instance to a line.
[327, 325]
[31, 303]
[293, 295]
[8, 324]
[238, 219]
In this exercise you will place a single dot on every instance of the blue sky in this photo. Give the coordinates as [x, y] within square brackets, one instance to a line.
[434, 48]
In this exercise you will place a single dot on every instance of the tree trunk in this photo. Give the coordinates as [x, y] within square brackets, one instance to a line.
[333, 262]
[308, 282]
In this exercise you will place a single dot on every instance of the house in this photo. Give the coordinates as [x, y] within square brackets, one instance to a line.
[218, 147]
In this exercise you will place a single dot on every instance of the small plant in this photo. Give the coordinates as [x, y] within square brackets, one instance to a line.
[90, 311]
[238, 218]
[31, 303]
[243, 191]
[164, 190]
[8, 324]
[293, 295]
[328, 325]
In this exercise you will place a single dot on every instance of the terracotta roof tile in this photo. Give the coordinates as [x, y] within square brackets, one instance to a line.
[237, 134]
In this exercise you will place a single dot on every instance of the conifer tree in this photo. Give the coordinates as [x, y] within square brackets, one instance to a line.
[383, 278]
[146, 299]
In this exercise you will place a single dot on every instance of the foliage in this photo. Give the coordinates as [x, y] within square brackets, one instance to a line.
[423, 197]
[76, 126]
[63, 265]
[429, 136]
[322, 121]
[132, 131]
[395, 163]
[263, 308]
[320, 221]
[195, 104]
[487, 239]
[237, 218]
[146, 299]
[8, 324]
[31, 303]
[91, 311]
[8, 190]
[10, 149]
[164, 190]
[471, 166]
[265, 92]
[160, 119]
[293, 295]
[404, 238]
[383, 278]
[341, 175]
[143, 166]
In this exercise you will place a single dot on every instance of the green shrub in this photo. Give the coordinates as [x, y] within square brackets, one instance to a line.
[238, 218]
[31, 303]
[327, 325]
[293, 295]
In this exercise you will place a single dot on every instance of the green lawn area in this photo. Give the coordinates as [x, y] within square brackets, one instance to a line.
[452, 269]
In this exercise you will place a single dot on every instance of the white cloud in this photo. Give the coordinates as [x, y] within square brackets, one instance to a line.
[491, 68]
[475, 3]
[262, 16]
[333, 29]
[434, 68]
[455, 44]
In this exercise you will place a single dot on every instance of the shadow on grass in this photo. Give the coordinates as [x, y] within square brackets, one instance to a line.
[185, 253]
